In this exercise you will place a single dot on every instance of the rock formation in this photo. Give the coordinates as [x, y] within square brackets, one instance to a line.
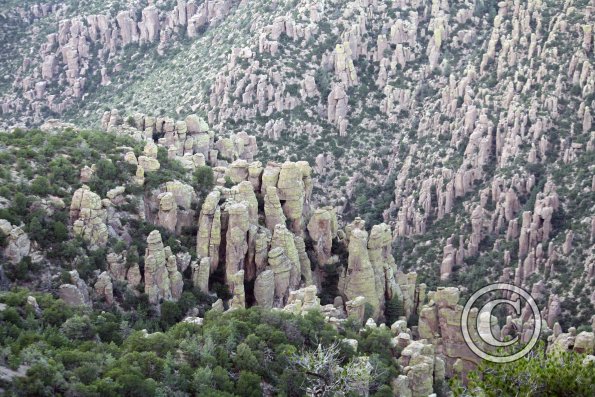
[163, 281]
[88, 217]
[76, 293]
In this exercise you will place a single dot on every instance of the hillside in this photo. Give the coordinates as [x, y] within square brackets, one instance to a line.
[362, 159]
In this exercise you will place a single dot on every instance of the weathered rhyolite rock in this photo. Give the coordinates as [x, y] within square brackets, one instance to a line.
[359, 278]
[168, 211]
[322, 228]
[282, 238]
[291, 189]
[76, 293]
[439, 323]
[88, 217]
[264, 289]
[116, 264]
[200, 274]
[273, 211]
[238, 223]
[18, 245]
[209, 229]
[104, 288]
[305, 265]
[148, 161]
[236, 284]
[281, 266]
[163, 281]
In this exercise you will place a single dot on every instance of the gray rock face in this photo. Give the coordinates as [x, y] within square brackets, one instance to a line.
[19, 245]
[75, 294]
[163, 281]
[264, 289]
[88, 217]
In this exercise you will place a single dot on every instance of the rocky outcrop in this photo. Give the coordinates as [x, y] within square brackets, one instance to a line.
[209, 229]
[168, 211]
[292, 190]
[18, 244]
[75, 294]
[88, 217]
[162, 279]
[322, 228]
[359, 278]
[439, 323]
[283, 239]
[273, 211]
[117, 267]
[200, 274]
[264, 289]
[337, 108]
[281, 266]
[148, 161]
[104, 288]
[236, 283]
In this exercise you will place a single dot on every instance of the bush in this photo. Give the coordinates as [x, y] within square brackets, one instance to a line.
[204, 179]
[393, 310]
[248, 385]
[41, 186]
[538, 374]
[78, 328]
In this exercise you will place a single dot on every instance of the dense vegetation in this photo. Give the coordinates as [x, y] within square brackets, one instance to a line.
[556, 374]
[241, 353]
[39, 173]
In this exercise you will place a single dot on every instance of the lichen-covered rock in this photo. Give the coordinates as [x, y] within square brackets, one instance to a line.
[380, 254]
[196, 124]
[270, 176]
[201, 272]
[168, 211]
[584, 343]
[264, 289]
[322, 228]
[359, 278]
[255, 171]
[243, 192]
[89, 217]
[148, 161]
[236, 246]
[280, 265]
[71, 295]
[439, 323]
[236, 283]
[116, 264]
[139, 177]
[290, 188]
[163, 281]
[76, 293]
[356, 308]
[18, 246]
[208, 237]
[133, 276]
[183, 194]
[283, 238]
[305, 264]
[104, 288]
[273, 212]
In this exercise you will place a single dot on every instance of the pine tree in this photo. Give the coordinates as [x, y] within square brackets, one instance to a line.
[393, 310]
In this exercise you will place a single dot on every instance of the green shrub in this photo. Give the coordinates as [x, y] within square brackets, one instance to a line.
[538, 374]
